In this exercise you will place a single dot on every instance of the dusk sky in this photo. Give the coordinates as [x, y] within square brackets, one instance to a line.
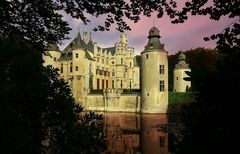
[188, 35]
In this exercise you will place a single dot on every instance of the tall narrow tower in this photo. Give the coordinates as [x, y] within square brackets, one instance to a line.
[154, 75]
[179, 73]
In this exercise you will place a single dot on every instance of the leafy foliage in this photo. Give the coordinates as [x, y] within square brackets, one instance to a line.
[37, 110]
[41, 21]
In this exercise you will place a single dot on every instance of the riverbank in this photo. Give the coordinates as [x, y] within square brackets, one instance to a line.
[178, 100]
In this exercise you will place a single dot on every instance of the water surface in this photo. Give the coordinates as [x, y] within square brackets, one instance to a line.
[133, 133]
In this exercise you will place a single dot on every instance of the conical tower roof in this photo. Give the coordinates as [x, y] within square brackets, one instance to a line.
[78, 43]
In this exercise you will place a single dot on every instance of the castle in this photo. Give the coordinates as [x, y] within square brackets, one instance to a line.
[110, 79]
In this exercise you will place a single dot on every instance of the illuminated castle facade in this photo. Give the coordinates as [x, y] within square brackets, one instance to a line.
[108, 79]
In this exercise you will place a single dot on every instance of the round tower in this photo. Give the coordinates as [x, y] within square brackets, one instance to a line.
[154, 75]
[179, 73]
[51, 55]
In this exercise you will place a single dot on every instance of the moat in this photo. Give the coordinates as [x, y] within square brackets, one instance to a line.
[133, 133]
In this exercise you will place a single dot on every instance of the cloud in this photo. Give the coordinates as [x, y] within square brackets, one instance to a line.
[176, 37]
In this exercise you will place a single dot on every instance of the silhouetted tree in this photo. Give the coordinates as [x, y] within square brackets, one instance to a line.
[37, 111]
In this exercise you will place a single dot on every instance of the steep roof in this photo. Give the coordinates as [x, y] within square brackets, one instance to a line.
[78, 43]
[112, 50]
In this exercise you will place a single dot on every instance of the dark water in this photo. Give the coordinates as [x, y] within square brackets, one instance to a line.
[132, 133]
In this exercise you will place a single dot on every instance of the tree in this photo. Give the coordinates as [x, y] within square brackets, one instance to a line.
[37, 111]
[41, 21]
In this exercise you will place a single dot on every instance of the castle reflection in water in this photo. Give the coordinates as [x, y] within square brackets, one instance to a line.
[132, 133]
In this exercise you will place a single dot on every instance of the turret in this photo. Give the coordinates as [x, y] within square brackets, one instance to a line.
[154, 75]
[51, 55]
[179, 73]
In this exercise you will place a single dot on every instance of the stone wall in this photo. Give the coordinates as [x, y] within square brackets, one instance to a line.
[113, 100]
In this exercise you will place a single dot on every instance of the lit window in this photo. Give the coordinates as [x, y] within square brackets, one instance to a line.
[76, 55]
[161, 69]
[161, 85]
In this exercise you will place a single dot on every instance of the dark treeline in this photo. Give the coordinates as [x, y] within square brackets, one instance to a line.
[200, 60]
[210, 123]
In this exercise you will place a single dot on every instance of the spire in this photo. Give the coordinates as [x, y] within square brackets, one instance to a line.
[90, 38]
[77, 43]
[123, 39]
[154, 40]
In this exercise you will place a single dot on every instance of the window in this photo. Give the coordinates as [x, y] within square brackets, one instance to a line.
[54, 59]
[113, 73]
[103, 61]
[97, 59]
[112, 62]
[76, 55]
[130, 64]
[146, 56]
[121, 60]
[61, 68]
[112, 83]
[70, 67]
[98, 83]
[161, 85]
[106, 83]
[161, 69]
[102, 83]
[177, 78]
[121, 85]
[107, 61]
[76, 68]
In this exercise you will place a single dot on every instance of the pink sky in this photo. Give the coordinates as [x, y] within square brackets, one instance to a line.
[188, 35]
